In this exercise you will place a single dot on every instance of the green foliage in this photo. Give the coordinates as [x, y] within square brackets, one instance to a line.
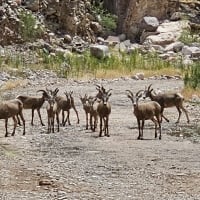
[29, 28]
[79, 65]
[107, 20]
[192, 76]
[188, 37]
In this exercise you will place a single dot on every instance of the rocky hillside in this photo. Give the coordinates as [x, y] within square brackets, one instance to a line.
[79, 18]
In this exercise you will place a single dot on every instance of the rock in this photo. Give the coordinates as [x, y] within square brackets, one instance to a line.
[176, 16]
[99, 51]
[96, 27]
[149, 23]
[161, 39]
[67, 39]
[112, 40]
[175, 46]
[191, 51]
[138, 76]
[122, 37]
[169, 32]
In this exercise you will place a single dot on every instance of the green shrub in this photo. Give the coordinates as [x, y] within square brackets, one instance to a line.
[188, 37]
[107, 20]
[29, 28]
[192, 76]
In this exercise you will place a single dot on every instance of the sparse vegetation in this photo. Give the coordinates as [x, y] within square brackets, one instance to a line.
[107, 20]
[29, 27]
[188, 37]
[192, 76]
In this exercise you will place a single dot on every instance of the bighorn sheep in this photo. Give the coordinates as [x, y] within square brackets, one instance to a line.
[93, 105]
[145, 111]
[104, 110]
[30, 102]
[101, 90]
[86, 107]
[12, 108]
[52, 110]
[65, 104]
[167, 100]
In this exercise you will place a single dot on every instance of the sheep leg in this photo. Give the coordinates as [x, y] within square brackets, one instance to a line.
[6, 126]
[100, 132]
[155, 122]
[32, 117]
[86, 121]
[159, 124]
[142, 128]
[15, 125]
[162, 110]
[186, 114]
[48, 130]
[38, 111]
[52, 124]
[106, 126]
[63, 117]
[179, 114]
[58, 122]
[68, 112]
[78, 120]
[91, 125]
[18, 120]
[67, 119]
[138, 121]
[95, 122]
[23, 121]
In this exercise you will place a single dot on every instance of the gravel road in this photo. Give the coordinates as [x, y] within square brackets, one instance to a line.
[76, 164]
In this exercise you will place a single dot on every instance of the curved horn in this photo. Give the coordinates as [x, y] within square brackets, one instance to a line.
[55, 92]
[137, 94]
[108, 91]
[149, 87]
[44, 92]
[130, 92]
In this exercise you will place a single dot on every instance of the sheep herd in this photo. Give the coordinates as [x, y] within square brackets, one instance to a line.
[95, 107]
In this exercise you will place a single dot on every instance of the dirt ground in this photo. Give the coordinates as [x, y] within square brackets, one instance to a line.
[76, 164]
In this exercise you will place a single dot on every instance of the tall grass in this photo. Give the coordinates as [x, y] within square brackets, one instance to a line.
[117, 65]
[192, 76]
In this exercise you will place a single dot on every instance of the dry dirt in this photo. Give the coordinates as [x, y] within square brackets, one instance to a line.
[76, 164]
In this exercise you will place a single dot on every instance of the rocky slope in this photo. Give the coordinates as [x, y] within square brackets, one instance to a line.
[78, 17]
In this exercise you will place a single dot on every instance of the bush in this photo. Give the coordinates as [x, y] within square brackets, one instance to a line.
[188, 37]
[29, 28]
[107, 20]
[192, 76]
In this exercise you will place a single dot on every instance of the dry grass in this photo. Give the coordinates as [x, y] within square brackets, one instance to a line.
[188, 93]
[116, 73]
[189, 1]
[11, 84]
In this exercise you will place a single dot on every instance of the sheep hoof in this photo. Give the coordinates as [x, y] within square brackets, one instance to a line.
[160, 138]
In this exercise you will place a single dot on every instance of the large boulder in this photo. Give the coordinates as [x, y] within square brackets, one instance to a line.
[131, 12]
[149, 23]
[99, 51]
[167, 33]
